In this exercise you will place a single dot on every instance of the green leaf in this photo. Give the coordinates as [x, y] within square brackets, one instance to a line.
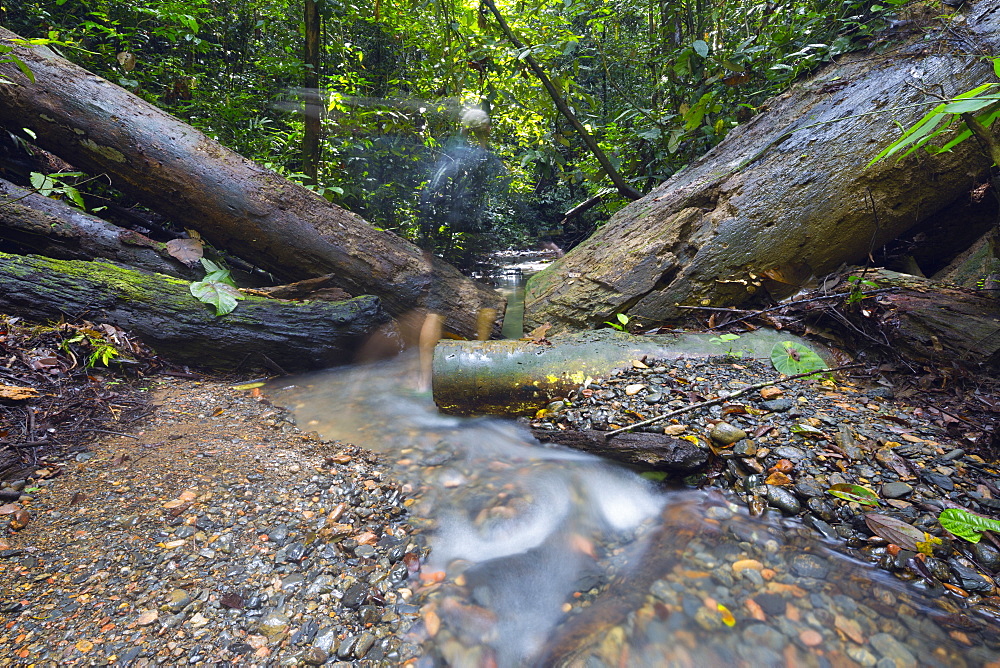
[996, 66]
[792, 358]
[964, 524]
[967, 106]
[855, 493]
[220, 295]
[700, 47]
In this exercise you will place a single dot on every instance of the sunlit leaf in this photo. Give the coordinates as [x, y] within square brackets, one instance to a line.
[967, 525]
[220, 295]
[855, 493]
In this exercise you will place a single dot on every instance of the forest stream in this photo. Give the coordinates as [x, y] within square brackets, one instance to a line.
[541, 556]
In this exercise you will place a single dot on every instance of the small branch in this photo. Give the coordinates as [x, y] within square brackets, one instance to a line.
[751, 314]
[719, 400]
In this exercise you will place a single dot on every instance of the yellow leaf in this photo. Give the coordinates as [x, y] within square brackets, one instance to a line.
[926, 546]
[727, 617]
[84, 646]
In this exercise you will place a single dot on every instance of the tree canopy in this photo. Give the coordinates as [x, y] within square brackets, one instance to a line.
[653, 84]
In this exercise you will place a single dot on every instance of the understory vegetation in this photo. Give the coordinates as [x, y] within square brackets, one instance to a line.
[425, 117]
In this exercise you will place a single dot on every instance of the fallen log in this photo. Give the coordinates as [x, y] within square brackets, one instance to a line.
[655, 452]
[519, 377]
[158, 309]
[235, 204]
[922, 321]
[43, 226]
[787, 193]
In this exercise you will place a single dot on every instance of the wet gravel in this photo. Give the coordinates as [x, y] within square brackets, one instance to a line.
[219, 534]
[222, 534]
[778, 451]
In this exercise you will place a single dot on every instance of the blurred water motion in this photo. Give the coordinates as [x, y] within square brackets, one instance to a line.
[553, 557]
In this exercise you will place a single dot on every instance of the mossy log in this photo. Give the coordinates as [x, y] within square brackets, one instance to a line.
[31, 223]
[236, 205]
[786, 195]
[296, 336]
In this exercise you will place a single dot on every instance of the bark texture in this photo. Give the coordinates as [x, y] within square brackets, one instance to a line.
[924, 321]
[656, 452]
[296, 336]
[236, 205]
[789, 192]
[43, 226]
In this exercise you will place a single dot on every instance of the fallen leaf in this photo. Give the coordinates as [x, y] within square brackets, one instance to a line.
[84, 646]
[894, 530]
[9, 508]
[188, 251]
[778, 479]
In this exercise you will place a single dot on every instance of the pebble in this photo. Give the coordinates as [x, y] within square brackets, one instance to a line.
[783, 500]
[724, 434]
[896, 490]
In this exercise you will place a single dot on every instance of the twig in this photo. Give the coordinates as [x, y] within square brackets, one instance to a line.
[721, 399]
[113, 433]
[753, 314]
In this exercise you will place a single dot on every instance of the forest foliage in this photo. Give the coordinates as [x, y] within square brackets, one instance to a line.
[657, 82]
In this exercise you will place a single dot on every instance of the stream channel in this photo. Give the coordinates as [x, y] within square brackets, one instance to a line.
[546, 556]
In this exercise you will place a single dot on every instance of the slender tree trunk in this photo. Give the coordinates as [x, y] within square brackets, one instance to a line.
[616, 178]
[311, 151]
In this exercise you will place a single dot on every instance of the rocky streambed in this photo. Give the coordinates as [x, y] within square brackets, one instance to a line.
[219, 533]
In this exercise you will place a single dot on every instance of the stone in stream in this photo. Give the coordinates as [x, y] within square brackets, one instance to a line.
[809, 566]
[896, 490]
[273, 625]
[782, 405]
[783, 500]
[724, 434]
[987, 556]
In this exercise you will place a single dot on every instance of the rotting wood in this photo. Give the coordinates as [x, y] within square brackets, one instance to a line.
[43, 226]
[159, 310]
[237, 205]
[656, 452]
[790, 187]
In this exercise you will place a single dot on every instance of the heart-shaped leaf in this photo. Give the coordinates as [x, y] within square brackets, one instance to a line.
[220, 295]
[792, 358]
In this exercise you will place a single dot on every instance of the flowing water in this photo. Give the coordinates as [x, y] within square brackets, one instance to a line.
[544, 556]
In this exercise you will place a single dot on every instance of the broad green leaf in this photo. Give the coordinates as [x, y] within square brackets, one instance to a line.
[700, 47]
[792, 358]
[855, 493]
[965, 524]
[220, 295]
[996, 66]
[74, 195]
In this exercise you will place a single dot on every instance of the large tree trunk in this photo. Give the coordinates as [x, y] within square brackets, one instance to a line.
[235, 204]
[295, 336]
[31, 223]
[788, 193]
